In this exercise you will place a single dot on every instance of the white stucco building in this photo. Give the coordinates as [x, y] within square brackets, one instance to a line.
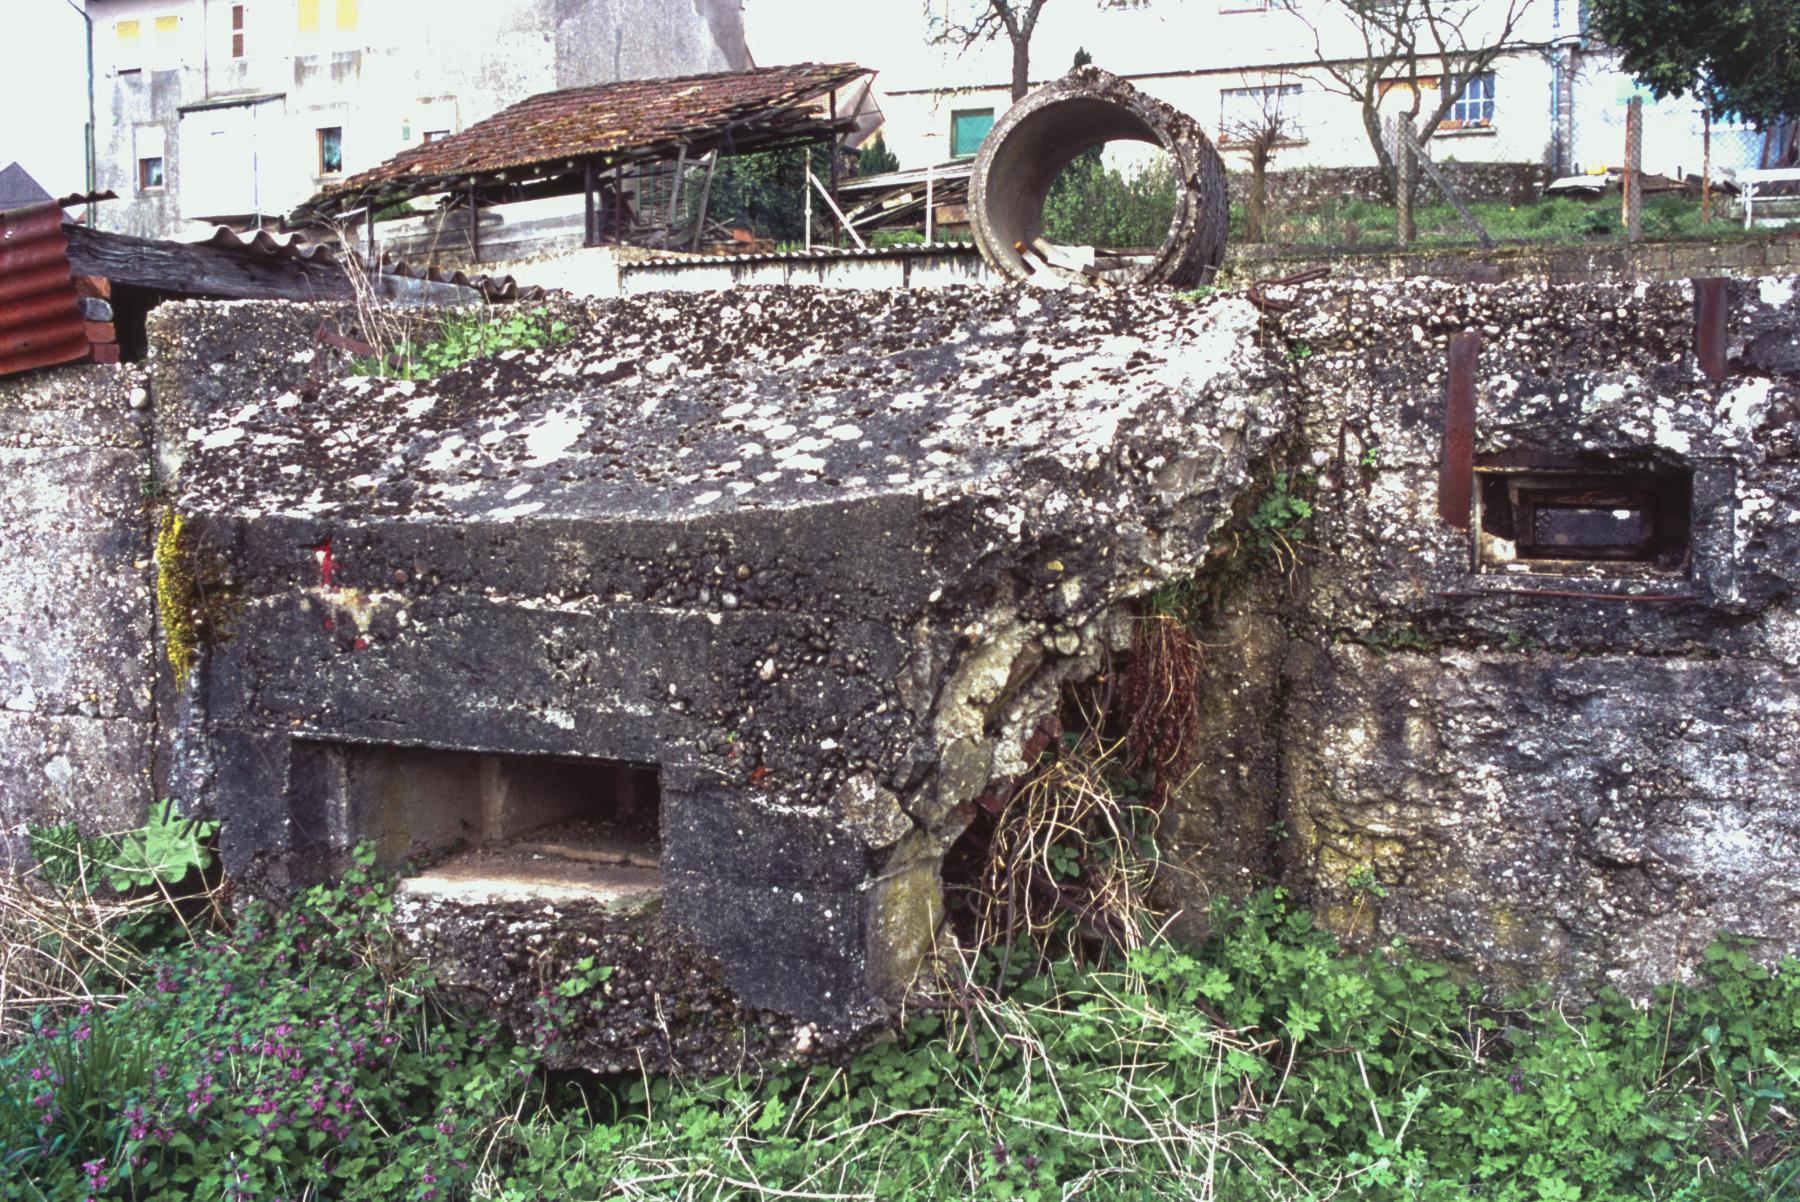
[215, 111]
[1553, 98]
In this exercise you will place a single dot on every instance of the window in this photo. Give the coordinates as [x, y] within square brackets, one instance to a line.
[436, 135]
[150, 174]
[1474, 108]
[237, 31]
[1601, 519]
[346, 14]
[1246, 112]
[331, 150]
[967, 129]
[309, 16]
[127, 30]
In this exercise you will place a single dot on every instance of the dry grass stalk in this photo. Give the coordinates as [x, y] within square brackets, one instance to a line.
[62, 946]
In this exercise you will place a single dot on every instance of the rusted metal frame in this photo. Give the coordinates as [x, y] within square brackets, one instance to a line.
[1564, 595]
[1711, 308]
[1256, 295]
[1456, 468]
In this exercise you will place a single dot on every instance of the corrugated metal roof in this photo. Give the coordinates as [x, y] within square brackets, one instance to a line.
[632, 118]
[40, 317]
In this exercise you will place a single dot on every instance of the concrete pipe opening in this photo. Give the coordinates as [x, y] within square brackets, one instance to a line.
[1043, 133]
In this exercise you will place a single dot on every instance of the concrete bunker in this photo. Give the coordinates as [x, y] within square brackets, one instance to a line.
[475, 824]
[1042, 134]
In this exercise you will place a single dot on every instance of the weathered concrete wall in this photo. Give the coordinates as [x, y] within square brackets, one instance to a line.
[1504, 183]
[1548, 779]
[825, 558]
[76, 715]
[1560, 263]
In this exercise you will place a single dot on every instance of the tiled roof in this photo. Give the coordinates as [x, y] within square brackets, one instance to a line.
[639, 118]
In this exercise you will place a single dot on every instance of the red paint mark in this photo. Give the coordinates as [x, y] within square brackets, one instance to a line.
[1456, 471]
[756, 777]
[327, 565]
[361, 645]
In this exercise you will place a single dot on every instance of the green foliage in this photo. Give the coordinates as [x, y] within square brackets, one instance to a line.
[464, 336]
[170, 850]
[303, 1057]
[1263, 1064]
[1743, 56]
[1348, 223]
[875, 158]
[764, 192]
[298, 1056]
[1092, 205]
[1278, 517]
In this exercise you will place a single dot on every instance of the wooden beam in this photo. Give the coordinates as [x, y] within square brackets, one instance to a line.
[200, 269]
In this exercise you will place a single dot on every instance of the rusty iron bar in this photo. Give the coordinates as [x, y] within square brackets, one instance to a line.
[1456, 468]
[1565, 595]
[1256, 295]
[1710, 306]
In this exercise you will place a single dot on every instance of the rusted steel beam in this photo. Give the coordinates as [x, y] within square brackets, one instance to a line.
[1711, 304]
[1456, 468]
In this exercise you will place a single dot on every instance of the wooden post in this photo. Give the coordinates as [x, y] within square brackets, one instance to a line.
[1705, 165]
[1403, 180]
[843, 222]
[836, 145]
[587, 204]
[618, 204]
[806, 187]
[1417, 153]
[1634, 159]
[712, 163]
[474, 227]
[930, 203]
[675, 190]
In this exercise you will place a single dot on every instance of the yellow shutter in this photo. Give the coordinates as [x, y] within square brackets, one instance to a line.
[346, 14]
[309, 16]
[167, 24]
[128, 31]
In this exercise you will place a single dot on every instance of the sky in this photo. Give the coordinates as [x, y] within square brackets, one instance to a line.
[43, 93]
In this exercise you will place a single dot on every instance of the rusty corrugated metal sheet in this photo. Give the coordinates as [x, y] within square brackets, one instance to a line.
[630, 118]
[40, 317]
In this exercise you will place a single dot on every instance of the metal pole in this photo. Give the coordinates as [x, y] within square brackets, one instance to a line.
[93, 174]
[930, 206]
[806, 187]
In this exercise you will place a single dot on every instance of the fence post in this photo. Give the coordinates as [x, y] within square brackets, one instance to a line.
[1401, 150]
[806, 187]
[930, 199]
[1634, 161]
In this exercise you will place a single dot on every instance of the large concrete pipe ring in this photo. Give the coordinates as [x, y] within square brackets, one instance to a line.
[1041, 134]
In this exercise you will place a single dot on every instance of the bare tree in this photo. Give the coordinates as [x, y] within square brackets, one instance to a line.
[1017, 19]
[1404, 44]
[1257, 129]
